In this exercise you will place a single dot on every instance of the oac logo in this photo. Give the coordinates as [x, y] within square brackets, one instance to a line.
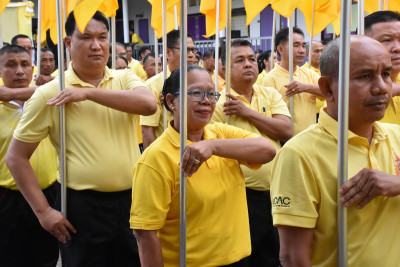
[283, 202]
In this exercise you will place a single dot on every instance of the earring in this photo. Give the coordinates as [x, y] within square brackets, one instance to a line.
[173, 108]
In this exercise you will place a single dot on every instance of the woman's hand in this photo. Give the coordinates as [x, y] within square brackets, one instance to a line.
[195, 154]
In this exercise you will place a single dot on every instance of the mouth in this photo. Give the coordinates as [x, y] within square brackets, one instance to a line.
[96, 56]
[204, 112]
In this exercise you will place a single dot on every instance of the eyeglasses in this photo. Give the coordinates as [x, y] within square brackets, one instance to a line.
[189, 49]
[199, 95]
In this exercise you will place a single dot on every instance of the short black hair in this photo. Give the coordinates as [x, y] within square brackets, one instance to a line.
[208, 53]
[146, 57]
[283, 36]
[329, 59]
[380, 16]
[173, 38]
[109, 61]
[172, 84]
[16, 49]
[235, 43]
[260, 60]
[128, 45]
[143, 48]
[70, 24]
[45, 49]
[14, 40]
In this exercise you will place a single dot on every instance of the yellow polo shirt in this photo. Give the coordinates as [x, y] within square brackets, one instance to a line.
[1, 81]
[319, 103]
[221, 82]
[156, 84]
[137, 68]
[268, 102]
[392, 114]
[260, 77]
[304, 193]
[43, 160]
[101, 142]
[217, 220]
[304, 103]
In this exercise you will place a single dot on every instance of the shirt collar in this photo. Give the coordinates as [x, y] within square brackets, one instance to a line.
[174, 136]
[278, 67]
[73, 79]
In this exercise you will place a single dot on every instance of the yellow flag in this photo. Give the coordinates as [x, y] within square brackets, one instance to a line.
[156, 15]
[3, 5]
[253, 8]
[209, 8]
[336, 22]
[284, 7]
[325, 12]
[372, 6]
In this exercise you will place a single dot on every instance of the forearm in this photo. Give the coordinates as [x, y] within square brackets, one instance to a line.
[23, 94]
[150, 252]
[251, 150]
[312, 89]
[278, 129]
[138, 101]
[295, 246]
[149, 135]
[395, 89]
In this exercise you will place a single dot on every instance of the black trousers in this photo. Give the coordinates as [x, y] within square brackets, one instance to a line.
[264, 236]
[23, 241]
[103, 237]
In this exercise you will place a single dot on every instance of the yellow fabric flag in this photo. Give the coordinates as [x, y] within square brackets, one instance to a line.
[284, 7]
[85, 10]
[253, 8]
[336, 22]
[25, 14]
[209, 8]
[3, 5]
[325, 12]
[156, 15]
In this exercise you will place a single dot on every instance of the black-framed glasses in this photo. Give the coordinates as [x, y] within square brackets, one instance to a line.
[189, 49]
[199, 95]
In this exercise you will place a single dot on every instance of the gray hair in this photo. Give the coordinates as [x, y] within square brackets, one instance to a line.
[329, 59]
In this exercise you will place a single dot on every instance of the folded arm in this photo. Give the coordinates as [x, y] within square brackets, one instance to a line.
[23, 94]
[150, 252]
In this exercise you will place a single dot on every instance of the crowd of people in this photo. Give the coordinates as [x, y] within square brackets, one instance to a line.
[261, 181]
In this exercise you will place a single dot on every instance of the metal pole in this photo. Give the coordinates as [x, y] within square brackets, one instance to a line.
[156, 51]
[165, 68]
[360, 9]
[176, 16]
[61, 83]
[125, 20]
[290, 25]
[311, 35]
[38, 38]
[273, 40]
[64, 19]
[381, 3]
[344, 68]
[216, 54]
[228, 51]
[113, 55]
[182, 129]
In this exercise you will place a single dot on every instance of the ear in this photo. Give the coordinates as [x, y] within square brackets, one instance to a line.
[169, 52]
[280, 49]
[67, 42]
[170, 101]
[326, 86]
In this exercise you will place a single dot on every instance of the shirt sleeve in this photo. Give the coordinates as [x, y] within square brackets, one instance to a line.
[153, 120]
[132, 81]
[151, 198]
[294, 191]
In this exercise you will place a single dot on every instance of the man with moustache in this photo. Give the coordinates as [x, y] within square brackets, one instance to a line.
[304, 184]
[47, 65]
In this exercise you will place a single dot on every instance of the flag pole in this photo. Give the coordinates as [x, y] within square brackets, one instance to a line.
[61, 84]
[165, 68]
[290, 25]
[361, 13]
[216, 52]
[113, 48]
[273, 40]
[344, 68]
[64, 19]
[183, 133]
[176, 16]
[156, 50]
[311, 35]
[39, 38]
[125, 20]
[228, 52]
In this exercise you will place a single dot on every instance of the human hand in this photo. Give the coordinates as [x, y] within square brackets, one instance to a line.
[195, 154]
[294, 88]
[368, 184]
[235, 106]
[56, 224]
[69, 95]
[42, 79]
[5, 93]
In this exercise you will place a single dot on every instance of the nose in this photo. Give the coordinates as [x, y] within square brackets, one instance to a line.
[381, 85]
[20, 70]
[396, 46]
[95, 44]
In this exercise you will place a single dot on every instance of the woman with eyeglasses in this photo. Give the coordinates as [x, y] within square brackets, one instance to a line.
[217, 219]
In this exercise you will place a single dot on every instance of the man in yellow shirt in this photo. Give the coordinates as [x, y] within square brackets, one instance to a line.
[259, 110]
[23, 241]
[47, 65]
[304, 184]
[24, 41]
[383, 26]
[101, 150]
[209, 61]
[153, 126]
[304, 87]
[150, 64]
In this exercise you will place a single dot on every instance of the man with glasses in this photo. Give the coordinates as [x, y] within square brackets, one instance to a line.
[153, 126]
[259, 110]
